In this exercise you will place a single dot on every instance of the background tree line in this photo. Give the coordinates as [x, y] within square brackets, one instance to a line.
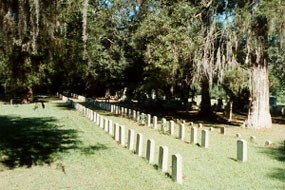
[178, 48]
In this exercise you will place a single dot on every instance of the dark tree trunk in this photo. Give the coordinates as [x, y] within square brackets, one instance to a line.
[205, 107]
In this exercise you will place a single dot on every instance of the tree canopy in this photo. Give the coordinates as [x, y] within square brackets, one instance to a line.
[100, 47]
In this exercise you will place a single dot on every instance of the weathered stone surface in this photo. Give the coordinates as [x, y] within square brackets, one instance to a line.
[177, 175]
[131, 139]
[142, 119]
[148, 120]
[241, 150]
[134, 114]
[252, 138]
[116, 132]
[138, 116]
[106, 125]
[101, 122]
[94, 117]
[110, 128]
[163, 158]
[194, 135]
[268, 143]
[163, 124]
[205, 138]
[150, 149]
[223, 130]
[139, 144]
[200, 125]
[122, 135]
[182, 131]
[155, 122]
[171, 127]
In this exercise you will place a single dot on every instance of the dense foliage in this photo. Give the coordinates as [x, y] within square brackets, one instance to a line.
[100, 47]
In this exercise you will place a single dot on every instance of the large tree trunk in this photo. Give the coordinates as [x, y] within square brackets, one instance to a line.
[205, 107]
[259, 111]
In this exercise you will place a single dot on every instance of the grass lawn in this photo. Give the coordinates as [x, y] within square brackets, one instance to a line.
[58, 148]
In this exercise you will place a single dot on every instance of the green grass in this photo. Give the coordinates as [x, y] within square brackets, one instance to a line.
[58, 148]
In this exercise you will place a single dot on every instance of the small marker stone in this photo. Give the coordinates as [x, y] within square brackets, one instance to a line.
[222, 130]
[252, 138]
[268, 143]
[242, 150]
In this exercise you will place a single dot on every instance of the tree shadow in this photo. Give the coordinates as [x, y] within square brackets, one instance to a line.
[25, 142]
[93, 149]
[65, 106]
[276, 153]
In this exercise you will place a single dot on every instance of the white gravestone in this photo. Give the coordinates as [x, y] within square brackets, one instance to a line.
[131, 139]
[122, 135]
[154, 122]
[163, 158]
[171, 127]
[116, 132]
[182, 131]
[150, 149]
[194, 135]
[139, 144]
[177, 168]
[148, 120]
[163, 124]
[110, 128]
[205, 138]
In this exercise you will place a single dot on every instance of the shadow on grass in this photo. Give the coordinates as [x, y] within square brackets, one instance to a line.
[33, 141]
[93, 149]
[64, 106]
[279, 155]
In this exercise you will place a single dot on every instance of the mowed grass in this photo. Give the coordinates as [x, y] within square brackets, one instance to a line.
[59, 148]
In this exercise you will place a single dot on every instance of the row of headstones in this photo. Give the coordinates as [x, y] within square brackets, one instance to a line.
[140, 117]
[118, 133]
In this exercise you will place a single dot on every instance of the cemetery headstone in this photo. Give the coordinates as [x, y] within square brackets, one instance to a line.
[171, 127]
[116, 132]
[194, 135]
[106, 125]
[110, 128]
[139, 144]
[122, 135]
[268, 143]
[150, 148]
[155, 122]
[252, 138]
[148, 120]
[242, 150]
[142, 119]
[222, 129]
[163, 124]
[131, 139]
[177, 168]
[205, 138]
[163, 158]
[182, 131]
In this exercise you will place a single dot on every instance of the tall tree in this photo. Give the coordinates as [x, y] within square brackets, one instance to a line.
[255, 23]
